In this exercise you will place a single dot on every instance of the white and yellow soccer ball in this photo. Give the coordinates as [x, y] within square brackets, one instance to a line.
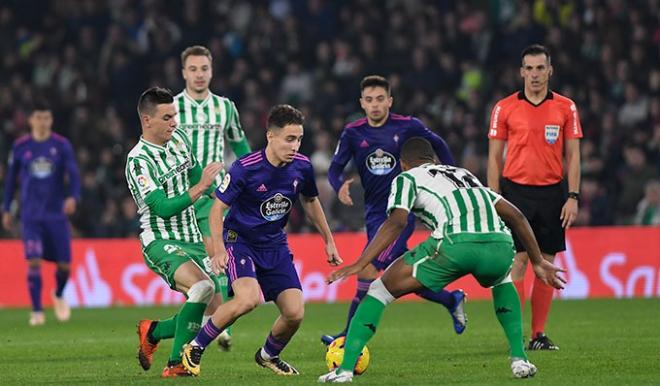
[335, 355]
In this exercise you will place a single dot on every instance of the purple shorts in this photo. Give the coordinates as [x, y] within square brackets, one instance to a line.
[394, 250]
[273, 268]
[48, 239]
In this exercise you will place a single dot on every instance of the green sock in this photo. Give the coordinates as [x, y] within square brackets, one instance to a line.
[188, 323]
[224, 291]
[362, 328]
[507, 310]
[165, 328]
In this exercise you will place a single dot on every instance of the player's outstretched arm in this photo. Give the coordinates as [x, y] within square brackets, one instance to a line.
[387, 233]
[543, 269]
[314, 211]
[495, 154]
[219, 258]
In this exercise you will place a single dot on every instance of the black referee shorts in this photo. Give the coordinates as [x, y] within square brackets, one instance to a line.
[542, 207]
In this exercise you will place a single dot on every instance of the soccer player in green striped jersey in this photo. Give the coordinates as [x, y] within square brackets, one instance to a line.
[207, 119]
[165, 179]
[468, 237]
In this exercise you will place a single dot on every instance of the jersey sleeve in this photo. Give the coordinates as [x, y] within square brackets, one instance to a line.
[402, 193]
[498, 128]
[71, 168]
[309, 188]
[11, 178]
[439, 145]
[232, 184]
[494, 197]
[573, 128]
[141, 177]
[234, 132]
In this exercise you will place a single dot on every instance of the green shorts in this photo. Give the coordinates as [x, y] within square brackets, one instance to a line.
[202, 209]
[437, 263]
[164, 257]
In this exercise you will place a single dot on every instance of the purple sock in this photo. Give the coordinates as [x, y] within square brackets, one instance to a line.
[274, 346]
[61, 277]
[34, 286]
[362, 288]
[207, 333]
[443, 297]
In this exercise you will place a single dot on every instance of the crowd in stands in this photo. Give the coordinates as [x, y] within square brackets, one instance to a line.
[448, 62]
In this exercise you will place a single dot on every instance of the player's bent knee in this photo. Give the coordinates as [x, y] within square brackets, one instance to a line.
[294, 316]
[378, 290]
[201, 292]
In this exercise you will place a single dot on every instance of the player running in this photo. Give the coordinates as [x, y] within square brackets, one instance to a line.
[468, 237]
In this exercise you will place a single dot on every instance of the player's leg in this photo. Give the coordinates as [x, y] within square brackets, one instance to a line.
[57, 247]
[551, 239]
[33, 246]
[395, 282]
[292, 310]
[242, 275]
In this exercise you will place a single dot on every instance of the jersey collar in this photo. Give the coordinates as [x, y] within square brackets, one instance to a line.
[521, 96]
[194, 102]
[158, 147]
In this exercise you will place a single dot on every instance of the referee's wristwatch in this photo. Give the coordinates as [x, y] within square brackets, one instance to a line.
[574, 195]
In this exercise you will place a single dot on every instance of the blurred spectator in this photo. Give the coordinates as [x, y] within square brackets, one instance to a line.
[447, 62]
[648, 209]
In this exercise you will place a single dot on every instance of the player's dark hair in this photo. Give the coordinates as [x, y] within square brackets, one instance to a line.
[153, 97]
[535, 49]
[39, 104]
[417, 150]
[375, 81]
[195, 51]
[282, 115]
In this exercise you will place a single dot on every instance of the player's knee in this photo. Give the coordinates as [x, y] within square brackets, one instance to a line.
[201, 292]
[378, 290]
[295, 315]
[246, 304]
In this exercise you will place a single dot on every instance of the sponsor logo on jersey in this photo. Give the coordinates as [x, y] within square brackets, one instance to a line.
[41, 167]
[175, 172]
[143, 181]
[364, 143]
[380, 162]
[276, 207]
[262, 188]
[551, 134]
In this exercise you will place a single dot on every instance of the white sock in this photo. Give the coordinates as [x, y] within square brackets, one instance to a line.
[265, 355]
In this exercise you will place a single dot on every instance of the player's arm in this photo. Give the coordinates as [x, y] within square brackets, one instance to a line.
[167, 207]
[514, 218]
[235, 134]
[71, 168]
[10, 187]
[219, 258]
[570, 209]
[495, 155]
[314, 211]
[195, 176]
[340, 159]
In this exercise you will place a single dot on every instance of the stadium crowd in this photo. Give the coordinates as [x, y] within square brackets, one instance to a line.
[448, 63]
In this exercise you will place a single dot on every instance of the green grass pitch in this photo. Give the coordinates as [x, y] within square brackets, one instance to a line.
[603, 342]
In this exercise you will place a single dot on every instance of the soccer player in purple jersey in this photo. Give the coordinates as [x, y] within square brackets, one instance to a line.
[251, 246]
[374, 143]
[44, 165]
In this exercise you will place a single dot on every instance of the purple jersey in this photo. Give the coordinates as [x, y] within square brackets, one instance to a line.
[375, 152]
[47, 173]
[261, 196]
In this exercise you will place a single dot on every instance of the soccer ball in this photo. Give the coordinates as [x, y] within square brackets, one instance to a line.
[335, 355]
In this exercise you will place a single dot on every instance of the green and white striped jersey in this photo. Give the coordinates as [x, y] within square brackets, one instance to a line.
[448, 200]
[150, 167]
[206, 124]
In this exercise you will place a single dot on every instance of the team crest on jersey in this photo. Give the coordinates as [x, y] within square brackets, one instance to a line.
[276, 207]
[380, 162]
[201, 117]
[551, 134]
[41, 167]
[295, 185]
[225, 183]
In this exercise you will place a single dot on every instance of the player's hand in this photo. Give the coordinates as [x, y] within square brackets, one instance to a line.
[568, 213]
[547, 272]
[209, 173]
[333, 255]
[69, 206]
[345, 192]
[6, 221]
[339, 274]
[219, 261]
